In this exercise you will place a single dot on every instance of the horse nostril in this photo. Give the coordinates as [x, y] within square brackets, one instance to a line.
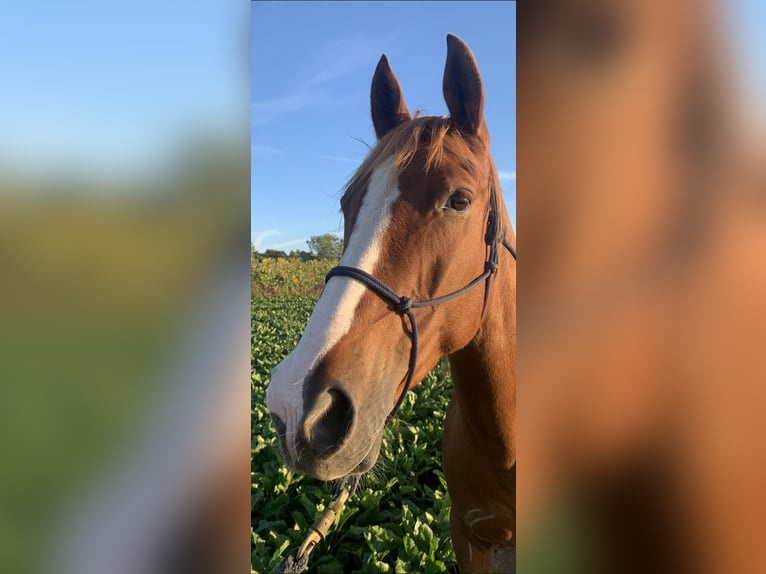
[329, 422]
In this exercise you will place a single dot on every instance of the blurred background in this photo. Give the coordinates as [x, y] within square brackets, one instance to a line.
[641, 286]
[124, 297]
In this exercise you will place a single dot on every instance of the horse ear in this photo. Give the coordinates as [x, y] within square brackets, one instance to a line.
[386, 101]
[462, 87]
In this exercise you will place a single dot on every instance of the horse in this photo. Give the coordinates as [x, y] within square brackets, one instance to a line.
[423, 216]
[642, 316]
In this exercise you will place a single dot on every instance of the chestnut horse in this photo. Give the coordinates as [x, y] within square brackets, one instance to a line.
[425, 216]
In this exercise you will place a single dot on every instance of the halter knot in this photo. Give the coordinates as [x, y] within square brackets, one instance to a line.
[404, 305]
[490, 266]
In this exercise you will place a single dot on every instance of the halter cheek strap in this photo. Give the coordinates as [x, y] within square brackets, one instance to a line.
[403, 305]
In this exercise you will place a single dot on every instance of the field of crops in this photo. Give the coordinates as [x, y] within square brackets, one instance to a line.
[399, 519]
[288, 276]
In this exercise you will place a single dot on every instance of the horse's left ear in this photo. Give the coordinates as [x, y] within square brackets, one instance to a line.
[462, 87]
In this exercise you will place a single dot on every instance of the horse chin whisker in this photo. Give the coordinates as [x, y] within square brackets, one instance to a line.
[299, 454]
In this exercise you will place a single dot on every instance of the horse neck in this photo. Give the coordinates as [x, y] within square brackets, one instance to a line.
[484, 372]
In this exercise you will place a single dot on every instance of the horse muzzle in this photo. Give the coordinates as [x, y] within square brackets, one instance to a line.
[330, 440]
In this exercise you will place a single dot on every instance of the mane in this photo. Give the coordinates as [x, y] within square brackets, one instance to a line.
[427, 133]
[500, 227]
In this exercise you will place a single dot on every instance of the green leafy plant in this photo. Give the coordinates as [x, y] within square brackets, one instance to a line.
[399, 519]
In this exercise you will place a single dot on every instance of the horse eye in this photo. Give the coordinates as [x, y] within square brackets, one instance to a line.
[458, 201]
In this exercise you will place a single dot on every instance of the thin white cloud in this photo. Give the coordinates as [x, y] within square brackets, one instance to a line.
[260, 237]
[506, 175]
[330, 62]
[263, 241]
[288, 244]
[341, 57]
[339, 158]
[257, 150]
[265, 111]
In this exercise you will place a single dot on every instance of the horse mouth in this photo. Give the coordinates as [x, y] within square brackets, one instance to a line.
[343, 463]
[338, 464]
[368, 462]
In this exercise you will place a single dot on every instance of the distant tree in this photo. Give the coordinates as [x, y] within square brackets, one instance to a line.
[301, 254]
[327, 246]
[274, 253]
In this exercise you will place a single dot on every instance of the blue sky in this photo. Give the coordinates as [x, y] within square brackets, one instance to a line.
[311, 68]
[745, 21]
[116, 86]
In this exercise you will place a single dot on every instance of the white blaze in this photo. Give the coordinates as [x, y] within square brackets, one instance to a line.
[334, 312]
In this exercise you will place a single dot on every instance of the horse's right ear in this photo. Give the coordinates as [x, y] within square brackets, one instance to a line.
[462, 88]
[386, 101]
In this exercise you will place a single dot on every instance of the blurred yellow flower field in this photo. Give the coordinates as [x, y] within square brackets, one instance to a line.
[288, 276]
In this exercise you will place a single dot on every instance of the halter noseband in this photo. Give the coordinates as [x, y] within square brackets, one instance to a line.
[403, 305]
